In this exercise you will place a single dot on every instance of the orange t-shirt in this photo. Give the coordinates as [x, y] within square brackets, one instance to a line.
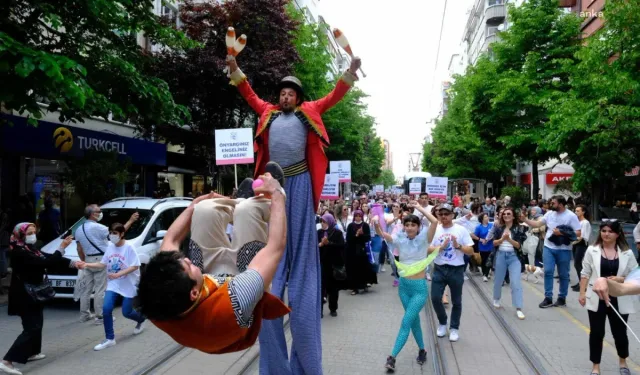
[211, 326]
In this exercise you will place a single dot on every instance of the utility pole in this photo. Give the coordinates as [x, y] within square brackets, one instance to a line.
[414, 161]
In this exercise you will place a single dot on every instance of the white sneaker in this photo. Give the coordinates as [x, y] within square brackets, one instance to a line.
[37, 357]
[9, 370]
[485, 279]
[383, 269]
[453, 335]
[442, 330]
[496, 303]
[139, 328]
[520, 315]
[105, 344]
[466, 277]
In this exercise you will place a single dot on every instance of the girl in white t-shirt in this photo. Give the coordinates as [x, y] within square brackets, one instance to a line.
[123, 274]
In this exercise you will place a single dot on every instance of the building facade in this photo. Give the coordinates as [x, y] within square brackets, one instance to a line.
[482, 27]
[387, 163]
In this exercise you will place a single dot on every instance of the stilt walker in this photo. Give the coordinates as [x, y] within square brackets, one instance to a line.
[292, 134]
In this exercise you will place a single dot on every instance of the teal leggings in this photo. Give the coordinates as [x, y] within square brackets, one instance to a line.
[413, 294]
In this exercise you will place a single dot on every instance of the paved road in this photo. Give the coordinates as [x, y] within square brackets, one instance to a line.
[356, 342]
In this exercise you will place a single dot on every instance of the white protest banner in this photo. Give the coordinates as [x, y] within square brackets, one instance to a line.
[331, 187]
[234, 146]
[342, 168]
[378, 188]
[437, 187]
[415, 188]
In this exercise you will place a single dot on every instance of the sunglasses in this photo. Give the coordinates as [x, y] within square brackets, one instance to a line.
[609, 220]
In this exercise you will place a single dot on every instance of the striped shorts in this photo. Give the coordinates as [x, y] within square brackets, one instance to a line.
[245, 291]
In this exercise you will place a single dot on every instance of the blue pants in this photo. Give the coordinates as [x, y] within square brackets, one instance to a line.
[300, 268]
[551, 257]
[127, 311]
[376, 249]
[413, 295]
[508, 260]
[453, 276]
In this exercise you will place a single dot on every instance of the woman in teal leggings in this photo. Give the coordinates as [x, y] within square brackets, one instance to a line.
[413, 247]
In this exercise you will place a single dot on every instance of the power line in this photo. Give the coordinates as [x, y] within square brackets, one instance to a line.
[435, 68]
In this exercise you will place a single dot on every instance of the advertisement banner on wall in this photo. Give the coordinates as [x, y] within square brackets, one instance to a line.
[415, 188]
[342, 168]
[331, 187]
[437, 187]
[234, 146]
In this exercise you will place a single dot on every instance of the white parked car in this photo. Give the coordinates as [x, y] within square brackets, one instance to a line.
[145, 235]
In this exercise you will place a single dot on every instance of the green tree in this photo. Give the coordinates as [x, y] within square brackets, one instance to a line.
[96, 176]
[530, 66]
[598, 122]
[386, 178]
[83, 59]
[351, 130]
[458, 149]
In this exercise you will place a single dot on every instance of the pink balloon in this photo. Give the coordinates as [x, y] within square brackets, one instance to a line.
[256, 184]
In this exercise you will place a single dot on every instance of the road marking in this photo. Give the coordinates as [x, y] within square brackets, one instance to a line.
[586, 329]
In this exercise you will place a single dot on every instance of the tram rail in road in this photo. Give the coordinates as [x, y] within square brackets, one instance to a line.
[157, 363]
[438, 359]
[530, 358]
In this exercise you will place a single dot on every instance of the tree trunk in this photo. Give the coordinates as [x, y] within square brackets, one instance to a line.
[534, 179]
[595, 202]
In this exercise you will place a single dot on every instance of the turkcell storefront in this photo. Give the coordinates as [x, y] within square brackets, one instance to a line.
[33, 161]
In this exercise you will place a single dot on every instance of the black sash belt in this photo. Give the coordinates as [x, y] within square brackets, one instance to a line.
[296, 169]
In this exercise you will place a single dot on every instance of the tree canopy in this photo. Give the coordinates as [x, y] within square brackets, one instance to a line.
[351, 130]
[598, 121]
[68, 55]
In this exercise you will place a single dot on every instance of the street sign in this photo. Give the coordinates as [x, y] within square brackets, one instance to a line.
[234, 146]
[331, 187]
[342, 168]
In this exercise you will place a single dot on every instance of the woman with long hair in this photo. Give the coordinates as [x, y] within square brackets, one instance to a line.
[608, 257]
[29, 266]
[413, 245]
[331, 243]
[509, 239]
[582, 242]
[359, 271]
[342, 218]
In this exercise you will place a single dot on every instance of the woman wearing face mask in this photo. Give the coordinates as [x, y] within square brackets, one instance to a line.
[608, 257]
[359, 271]
[413, 245]
[331, 243]
[122, 264]
[29, 267]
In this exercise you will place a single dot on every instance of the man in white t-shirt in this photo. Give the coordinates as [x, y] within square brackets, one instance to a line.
[453, 242]
[553, 253]
[423, 201]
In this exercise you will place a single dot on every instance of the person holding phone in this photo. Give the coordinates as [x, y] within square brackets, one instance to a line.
[122, 266]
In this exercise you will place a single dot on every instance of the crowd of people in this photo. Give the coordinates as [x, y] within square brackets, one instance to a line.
[493, 240]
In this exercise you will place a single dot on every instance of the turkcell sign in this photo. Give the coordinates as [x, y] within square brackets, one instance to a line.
[58, 141]
[87, 143]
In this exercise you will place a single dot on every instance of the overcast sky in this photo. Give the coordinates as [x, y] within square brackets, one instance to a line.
[397, 41]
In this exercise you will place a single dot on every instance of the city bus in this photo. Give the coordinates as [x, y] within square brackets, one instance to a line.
[413, 177]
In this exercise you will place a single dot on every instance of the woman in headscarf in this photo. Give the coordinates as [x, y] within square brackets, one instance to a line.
[359, 271]
[331, 243]
[29, 266]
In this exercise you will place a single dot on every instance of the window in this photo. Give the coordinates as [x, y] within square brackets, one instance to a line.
[494, 2]
[492, 30]
[162, 222]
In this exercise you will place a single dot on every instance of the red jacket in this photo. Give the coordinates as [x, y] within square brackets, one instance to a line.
[309, 114]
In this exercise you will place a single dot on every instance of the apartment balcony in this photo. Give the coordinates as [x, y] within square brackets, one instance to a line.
[495, 13]
[567, 3]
